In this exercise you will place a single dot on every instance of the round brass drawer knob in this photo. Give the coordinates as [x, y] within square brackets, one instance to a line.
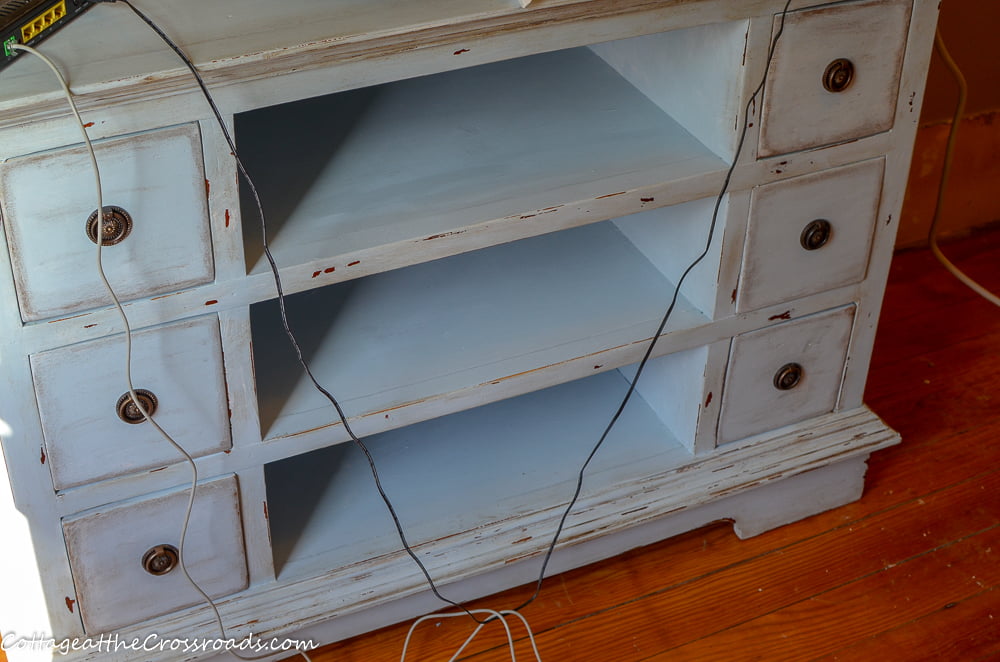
[116, 226]
[160, 560]
[816, 234]
[788, 376]
[129, 413]
[839, 75]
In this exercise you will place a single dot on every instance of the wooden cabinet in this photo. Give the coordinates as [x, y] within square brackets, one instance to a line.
[480, 212]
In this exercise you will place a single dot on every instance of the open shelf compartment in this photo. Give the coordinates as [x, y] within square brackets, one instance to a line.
[493, 468]
[416, 338]
[511, 149]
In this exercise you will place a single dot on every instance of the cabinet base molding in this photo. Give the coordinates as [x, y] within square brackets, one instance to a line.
[758, 485]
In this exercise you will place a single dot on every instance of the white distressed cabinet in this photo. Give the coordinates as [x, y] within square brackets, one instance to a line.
[479, 211]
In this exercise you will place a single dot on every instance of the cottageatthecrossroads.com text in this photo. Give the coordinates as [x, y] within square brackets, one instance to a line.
[110, 643]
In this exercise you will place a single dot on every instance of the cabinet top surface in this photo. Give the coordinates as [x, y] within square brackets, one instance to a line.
[109, 55]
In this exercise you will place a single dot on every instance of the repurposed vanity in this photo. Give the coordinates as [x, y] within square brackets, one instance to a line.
[479, 211]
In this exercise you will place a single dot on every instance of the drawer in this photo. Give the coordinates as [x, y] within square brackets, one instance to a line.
[78, 389]
[809, 234]
[157, 177]
[806, 356]
[107, 549]
[834, 75]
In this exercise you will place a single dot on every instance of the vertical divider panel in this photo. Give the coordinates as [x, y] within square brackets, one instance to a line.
[737, 215]
[715, 377]
[222, 187]
[237, 351]
[695, 75]
[758, 43]
[672, 237]
[245, 423]
[256, 528]
[673, 387]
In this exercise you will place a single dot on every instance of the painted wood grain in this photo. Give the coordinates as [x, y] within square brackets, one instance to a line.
[427, 157]
[404, 336]
[846, 198]
[78, 389]
[798, 113]
[107, 548]
[157, 177]
[752, 402]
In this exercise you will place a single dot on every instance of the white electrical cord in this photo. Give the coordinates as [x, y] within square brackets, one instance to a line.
[493, 615]
[949, 153]
[128, 347]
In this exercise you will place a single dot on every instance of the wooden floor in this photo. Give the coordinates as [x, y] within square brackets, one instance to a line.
[911, 572]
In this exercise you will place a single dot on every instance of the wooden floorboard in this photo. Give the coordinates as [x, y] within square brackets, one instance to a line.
[910, 572]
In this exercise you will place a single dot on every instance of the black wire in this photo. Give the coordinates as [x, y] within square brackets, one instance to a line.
[284, 315]
[663, 322]
[340, 412]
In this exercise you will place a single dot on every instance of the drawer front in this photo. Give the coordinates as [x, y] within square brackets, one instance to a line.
[107, 549]
[764, 390]
[806, 103]
[78, 389]
[157, 177]
[809, 234]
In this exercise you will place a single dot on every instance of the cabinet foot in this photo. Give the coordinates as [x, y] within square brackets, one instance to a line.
[798, 497]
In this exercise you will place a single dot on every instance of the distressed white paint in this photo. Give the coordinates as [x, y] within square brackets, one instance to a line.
[492, 464]
[77, 389]
[686, 497]
[266, 55]
[776, 267]
[400, 337]
[694, 75]
[753, 404]
[799, 113]
[423, 158]
[158, 178]
[673, 387]
[672, 237]
[107, 546]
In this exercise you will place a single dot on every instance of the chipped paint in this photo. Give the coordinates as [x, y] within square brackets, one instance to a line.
[443, 234]
[73, 317]
[787, 315]
[211, 302]
[164, 296]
